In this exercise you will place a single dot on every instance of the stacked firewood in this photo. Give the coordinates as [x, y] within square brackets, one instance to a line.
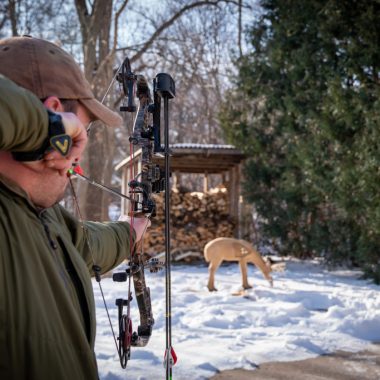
[195, 218]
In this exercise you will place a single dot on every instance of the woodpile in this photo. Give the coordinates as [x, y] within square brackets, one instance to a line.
[196, 218]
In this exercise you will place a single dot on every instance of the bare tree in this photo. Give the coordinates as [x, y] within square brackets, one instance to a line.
[190, 39]
[100, 37]
[28, 16]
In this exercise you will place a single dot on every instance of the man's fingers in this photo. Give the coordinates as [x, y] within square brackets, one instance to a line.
[79, 144]
[76, 130]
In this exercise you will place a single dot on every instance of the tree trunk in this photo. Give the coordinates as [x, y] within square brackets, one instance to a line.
[95, 29]
[13, 16]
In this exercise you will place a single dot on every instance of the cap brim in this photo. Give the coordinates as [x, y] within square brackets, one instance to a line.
[102, 112]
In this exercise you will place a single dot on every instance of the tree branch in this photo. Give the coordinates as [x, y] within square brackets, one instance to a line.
[13, 16]
[82, 11]
[117, 15]
[169, 22]
[105, 61]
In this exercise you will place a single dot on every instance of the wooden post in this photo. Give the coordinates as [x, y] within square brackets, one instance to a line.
[230, 191]
[127, 176]
[239, 200]
[224, 179]
[176, 180]
[234, 196]
[205, 182]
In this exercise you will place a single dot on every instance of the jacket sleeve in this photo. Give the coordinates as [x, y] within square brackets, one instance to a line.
[24, 119]
[109, 243]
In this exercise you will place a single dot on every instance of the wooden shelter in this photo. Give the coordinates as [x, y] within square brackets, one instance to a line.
[203, 159]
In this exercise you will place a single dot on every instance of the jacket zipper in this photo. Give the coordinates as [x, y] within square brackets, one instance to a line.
[69, 276]
[52, 243]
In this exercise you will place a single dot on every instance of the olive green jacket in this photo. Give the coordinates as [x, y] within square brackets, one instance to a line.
[47, 310]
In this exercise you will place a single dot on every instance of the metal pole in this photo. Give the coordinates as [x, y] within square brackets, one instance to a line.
[167, 242]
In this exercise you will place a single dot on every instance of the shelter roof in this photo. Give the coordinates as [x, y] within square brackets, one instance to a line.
[198, 158]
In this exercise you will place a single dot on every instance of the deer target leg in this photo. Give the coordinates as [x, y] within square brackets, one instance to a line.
[214, 265]
[244, 274]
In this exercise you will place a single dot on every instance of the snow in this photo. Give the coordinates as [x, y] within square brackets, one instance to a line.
[202, 146]
[309, 311]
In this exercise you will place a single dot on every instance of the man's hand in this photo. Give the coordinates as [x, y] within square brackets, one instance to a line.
[76, 130]
[140, 225]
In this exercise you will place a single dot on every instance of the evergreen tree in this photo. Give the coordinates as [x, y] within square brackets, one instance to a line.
[306, 110]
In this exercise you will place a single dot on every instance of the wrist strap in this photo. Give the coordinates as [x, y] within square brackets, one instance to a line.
[57, 139]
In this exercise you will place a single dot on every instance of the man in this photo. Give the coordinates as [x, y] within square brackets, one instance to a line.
[47, 311]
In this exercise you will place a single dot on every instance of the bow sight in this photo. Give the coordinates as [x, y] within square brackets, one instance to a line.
[146, 135]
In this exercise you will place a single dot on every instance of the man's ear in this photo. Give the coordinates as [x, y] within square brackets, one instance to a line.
[53, 104]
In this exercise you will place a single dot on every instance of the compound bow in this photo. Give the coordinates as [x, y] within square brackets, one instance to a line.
[152, 179]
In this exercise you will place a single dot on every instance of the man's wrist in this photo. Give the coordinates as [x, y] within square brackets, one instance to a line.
[57, 139]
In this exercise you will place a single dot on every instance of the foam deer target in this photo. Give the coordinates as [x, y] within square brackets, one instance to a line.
[228, 249]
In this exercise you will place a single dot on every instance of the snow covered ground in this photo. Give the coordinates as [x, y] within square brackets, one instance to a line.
[309, 311]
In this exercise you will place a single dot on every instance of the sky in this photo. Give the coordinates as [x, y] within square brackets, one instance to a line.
[308, 312]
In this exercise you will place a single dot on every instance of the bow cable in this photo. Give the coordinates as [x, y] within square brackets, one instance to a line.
[95, 267]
